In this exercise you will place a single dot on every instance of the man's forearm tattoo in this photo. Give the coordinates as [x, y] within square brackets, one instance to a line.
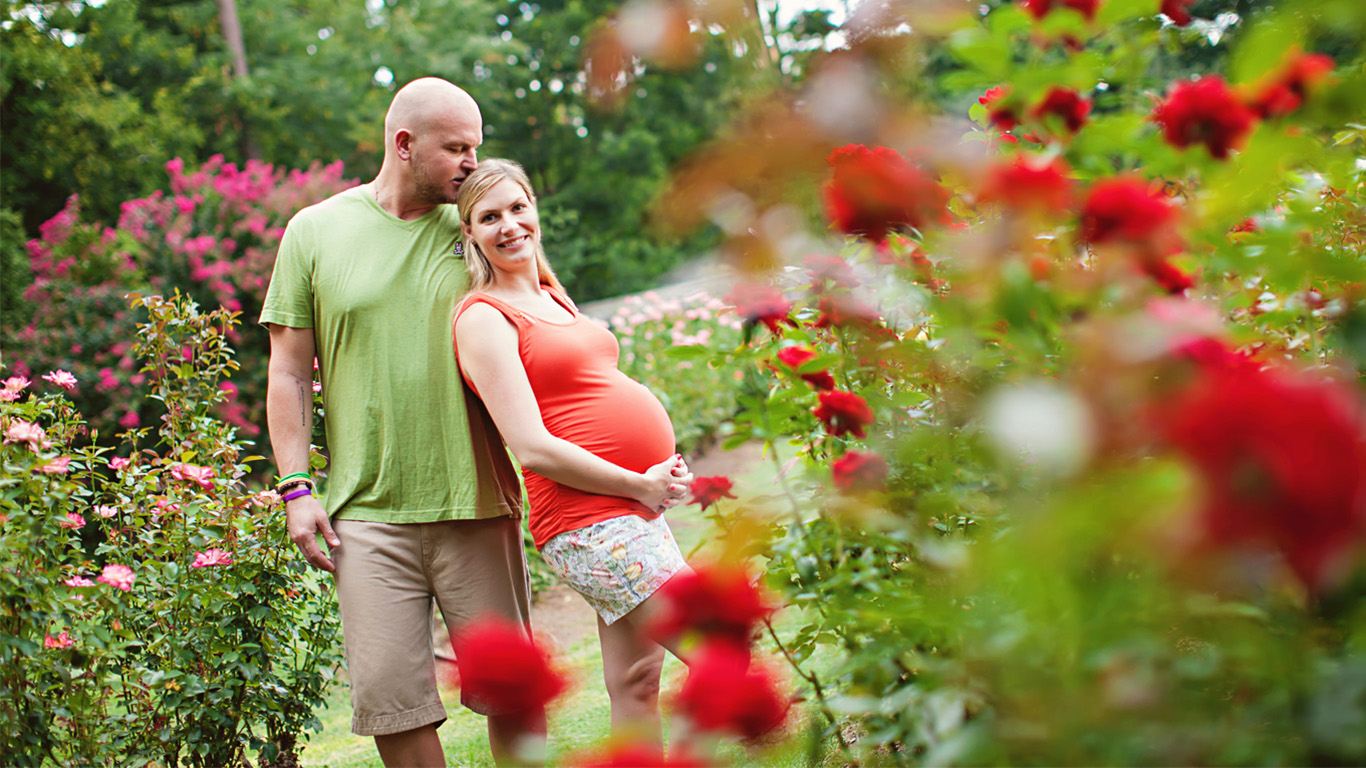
[305, 402]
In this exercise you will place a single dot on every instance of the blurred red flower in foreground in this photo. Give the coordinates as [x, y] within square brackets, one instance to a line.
[844, 413]
[859, 471]
[1125, 210]
[724, 692]
[503, 669]
[1041, 8]
[1178, 11]
[630, 754]
[1282, 457]
[1290, 86]
[1204, 111]
[709, 490]
[875, 191]
[1172, 278]
[1064, 104]
[758, 303]
[830, 272]
[718, 601]
[795, 357]
[999, 111]
[1029, 183]
[844, 311]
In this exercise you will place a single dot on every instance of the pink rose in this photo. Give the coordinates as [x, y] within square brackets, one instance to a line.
[74, 520]
[62, 640]
[79, 581]
[16, 383]
[117, 576]
[61, 378]
[21, 431]
[105, 511]
[210, 558]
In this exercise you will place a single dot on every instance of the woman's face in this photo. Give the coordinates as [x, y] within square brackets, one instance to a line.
[505, 226]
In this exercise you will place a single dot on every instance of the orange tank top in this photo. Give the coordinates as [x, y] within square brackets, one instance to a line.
[585, 399]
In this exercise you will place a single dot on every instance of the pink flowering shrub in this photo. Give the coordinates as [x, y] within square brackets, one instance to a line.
[212, 235]
[664, 345]
[153, 611]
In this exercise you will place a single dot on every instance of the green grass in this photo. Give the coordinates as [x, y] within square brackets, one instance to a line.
[580, 719]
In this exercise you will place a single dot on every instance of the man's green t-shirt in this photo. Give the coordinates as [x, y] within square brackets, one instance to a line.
[379, 293]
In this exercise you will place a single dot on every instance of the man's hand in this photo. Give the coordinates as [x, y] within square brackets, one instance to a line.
[306, 519]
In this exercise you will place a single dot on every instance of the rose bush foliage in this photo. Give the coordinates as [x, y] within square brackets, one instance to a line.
[1086, 485]
[153, 610]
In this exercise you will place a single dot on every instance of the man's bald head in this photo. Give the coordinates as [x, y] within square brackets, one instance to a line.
[432, 133]
[428, 102]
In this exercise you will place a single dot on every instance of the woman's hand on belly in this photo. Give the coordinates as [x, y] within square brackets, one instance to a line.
[666, 484]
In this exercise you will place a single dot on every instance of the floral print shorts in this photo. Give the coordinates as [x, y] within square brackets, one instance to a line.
[615, 564]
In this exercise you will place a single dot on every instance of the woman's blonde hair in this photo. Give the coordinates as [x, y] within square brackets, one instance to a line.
[476, 185]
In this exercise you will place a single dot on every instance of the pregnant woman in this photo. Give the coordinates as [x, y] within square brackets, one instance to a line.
[596, 448]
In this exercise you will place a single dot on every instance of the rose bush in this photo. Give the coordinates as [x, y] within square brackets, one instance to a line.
[1085, 485]
[153, 609]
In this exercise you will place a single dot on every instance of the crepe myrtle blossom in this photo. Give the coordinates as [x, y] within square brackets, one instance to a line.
[709, 490]
[118, 576]
[503, 668]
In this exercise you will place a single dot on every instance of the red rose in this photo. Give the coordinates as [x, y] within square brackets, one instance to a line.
[709, 490]
[1124, 210]
[502, 667]
[1064, 104]
[1041, 8]
[1176, 10]
[631, 754]
[875, 191]
[1287, 90]
[761, 304]
[1282, 458]
[844, 413]
[1172, 278]
[717, 601]
[1000, 111]
[795, 357]
[859, 471]
[830, 272]
[725, 692]
[1204, 111]
[1032, 183]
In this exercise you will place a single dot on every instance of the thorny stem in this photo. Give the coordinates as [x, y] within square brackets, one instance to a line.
[816, 688]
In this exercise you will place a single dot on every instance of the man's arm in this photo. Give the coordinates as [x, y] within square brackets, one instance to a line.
[289, 418]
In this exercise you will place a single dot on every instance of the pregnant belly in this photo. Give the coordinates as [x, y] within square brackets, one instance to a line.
[626, 425]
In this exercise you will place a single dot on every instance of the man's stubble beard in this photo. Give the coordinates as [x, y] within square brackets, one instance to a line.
[427, 188]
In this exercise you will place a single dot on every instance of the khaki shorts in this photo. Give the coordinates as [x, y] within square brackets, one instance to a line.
[387, 576]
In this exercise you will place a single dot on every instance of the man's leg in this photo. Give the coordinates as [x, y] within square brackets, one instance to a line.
[419, 748]
[386, 608]
[479, 569]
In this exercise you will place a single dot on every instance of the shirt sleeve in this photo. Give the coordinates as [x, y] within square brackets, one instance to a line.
[289, 299]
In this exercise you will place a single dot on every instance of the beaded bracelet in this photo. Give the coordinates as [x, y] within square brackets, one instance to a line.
[297, 494]
[286, 486]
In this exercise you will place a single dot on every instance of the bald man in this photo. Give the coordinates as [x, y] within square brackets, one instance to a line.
[421, 501]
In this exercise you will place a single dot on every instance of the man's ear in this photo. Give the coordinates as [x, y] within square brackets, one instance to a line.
[403, 144]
